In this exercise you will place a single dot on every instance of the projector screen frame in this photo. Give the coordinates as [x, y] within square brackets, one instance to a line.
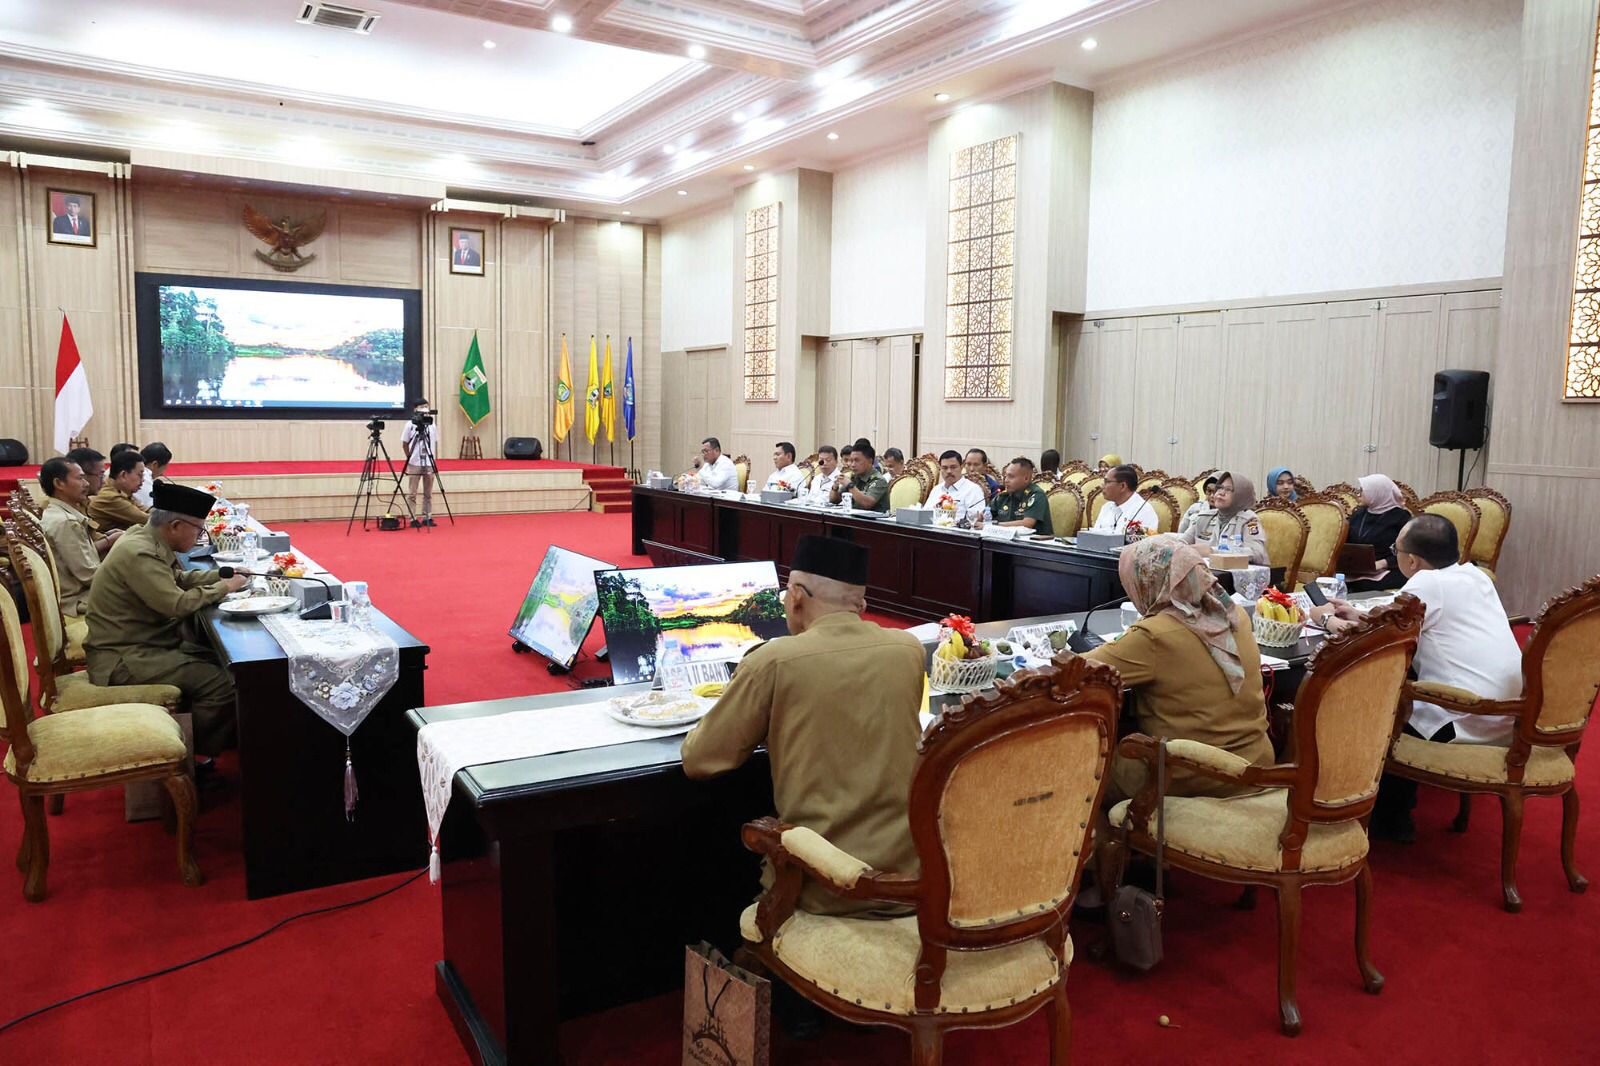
[147, 325]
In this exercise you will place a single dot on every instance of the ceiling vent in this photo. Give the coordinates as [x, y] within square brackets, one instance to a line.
[338, 17]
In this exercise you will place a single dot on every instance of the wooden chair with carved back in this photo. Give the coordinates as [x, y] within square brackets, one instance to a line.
[1167, 509]
[1092, 505]
[1409, 497]
[1000, 804]
[1560, 680]
[66, 653]
[741, 467]
[1350, 494]
[1200, 481]
[1494, 522]
[20, 499]
[1303, 486]
[1305, 824]
[1286, 531]
[983, 485]
[1461, 512]
[1327, 527]
[1183, 491]
[906, 491]
[1066, 508]
[927, 472]
[1150, 479]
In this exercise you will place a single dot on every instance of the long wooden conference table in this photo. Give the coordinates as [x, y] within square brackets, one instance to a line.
[572, 882]
[918, 571]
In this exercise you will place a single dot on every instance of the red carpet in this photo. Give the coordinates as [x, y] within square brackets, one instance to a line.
[1467, 983]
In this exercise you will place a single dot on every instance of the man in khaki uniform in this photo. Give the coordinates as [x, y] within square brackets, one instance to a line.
[836, 706]
[866, 489]
[113, 506]
[141, 610]
[72, 540]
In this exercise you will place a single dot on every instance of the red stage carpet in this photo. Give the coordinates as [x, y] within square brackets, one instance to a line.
[1467, 983]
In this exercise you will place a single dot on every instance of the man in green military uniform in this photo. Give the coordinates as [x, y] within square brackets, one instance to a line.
[869, 490]
[836, 706]
[1023, 503]
[141, 608]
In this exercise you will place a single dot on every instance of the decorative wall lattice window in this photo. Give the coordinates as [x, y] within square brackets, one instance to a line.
[761, 303]
[1583, 346]
[983, 215]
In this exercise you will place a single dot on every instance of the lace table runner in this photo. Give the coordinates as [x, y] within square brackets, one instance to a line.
[445, 747]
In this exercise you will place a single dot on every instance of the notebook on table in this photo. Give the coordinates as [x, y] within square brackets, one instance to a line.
[1358, 562]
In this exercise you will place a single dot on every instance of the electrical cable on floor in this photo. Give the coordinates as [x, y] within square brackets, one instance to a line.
[19, 1019]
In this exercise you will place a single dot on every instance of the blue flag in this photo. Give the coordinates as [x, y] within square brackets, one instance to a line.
[627, 392]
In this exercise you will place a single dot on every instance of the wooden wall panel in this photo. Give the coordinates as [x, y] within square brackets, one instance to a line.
[1197, 424]
[1402, 397]
[1337, 377]
[1155, 375]
[1247, 357]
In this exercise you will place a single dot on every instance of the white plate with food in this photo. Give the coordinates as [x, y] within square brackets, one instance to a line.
[659, 710]
[250, 606]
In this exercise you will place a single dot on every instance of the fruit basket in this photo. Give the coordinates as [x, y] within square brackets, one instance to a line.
[1278, 620]
[962, 662]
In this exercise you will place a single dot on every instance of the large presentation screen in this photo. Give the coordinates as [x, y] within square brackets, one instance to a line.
[210, 346]
[560, 606]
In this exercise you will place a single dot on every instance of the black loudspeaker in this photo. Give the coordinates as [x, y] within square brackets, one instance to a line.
[1460, 408]
[13, 452]
[523, 448]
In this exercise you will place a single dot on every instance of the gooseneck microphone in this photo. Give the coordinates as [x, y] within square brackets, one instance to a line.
[1084, 640]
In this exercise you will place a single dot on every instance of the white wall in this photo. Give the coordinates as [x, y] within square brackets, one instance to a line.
[1370, 147]
[878, 238]
[697, 279]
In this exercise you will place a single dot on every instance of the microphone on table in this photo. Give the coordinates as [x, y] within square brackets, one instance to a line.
[1084, 640]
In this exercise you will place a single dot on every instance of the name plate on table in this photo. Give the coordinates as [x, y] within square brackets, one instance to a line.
[658, 483]
[776, 495]
[697, 673]
[311, 593]
[994, 532]
[913, 516]
[1100, 540]
[272, 543]
[1034, 641]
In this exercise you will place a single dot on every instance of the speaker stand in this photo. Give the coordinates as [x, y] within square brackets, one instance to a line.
[1461, 472]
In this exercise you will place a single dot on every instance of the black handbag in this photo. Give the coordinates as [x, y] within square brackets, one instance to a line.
[1135, 914]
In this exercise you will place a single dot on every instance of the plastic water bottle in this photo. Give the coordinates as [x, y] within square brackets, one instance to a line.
[247, 546]
[1340, 589]
[1225, 544]
[360, 604]
[670, 667]
[988, 516]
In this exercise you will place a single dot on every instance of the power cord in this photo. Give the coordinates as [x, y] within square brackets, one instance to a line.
[19, 1019]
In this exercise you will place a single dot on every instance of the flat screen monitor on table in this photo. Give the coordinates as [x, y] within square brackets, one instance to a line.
[709, 614]
[560, 606]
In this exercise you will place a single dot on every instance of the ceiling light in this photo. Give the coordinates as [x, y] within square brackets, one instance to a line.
[683, 192]
[627, 212]
[697, 51]
[667, 149]
[941, 97]
[832, 136]
[561, 24]
[488, 44]
[749, 166]
[739, 116]
[821, 78]
[1089, 44]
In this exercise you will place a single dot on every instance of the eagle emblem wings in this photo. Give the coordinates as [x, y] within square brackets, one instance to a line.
[284, 237]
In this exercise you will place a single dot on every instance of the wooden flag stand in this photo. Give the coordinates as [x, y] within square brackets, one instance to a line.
[77, 442]
[471, 447]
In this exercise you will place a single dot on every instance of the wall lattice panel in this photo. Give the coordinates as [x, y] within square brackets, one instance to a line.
[1582, 379]
[978, 285]
[761, 303]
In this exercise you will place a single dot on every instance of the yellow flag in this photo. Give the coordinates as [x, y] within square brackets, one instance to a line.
[608, 398]
[564, 395]
[591, 406]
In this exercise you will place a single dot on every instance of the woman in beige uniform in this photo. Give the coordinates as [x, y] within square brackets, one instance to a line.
[1190, 661]
[1229, 515]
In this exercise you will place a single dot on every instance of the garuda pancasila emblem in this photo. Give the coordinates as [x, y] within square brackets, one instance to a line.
[284, 237]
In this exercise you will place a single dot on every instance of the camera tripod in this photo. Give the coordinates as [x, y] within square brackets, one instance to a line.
[422, 458]
[369, 475]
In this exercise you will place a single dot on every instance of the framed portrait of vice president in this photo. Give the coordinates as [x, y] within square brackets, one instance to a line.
[466, 250]
[71, 217]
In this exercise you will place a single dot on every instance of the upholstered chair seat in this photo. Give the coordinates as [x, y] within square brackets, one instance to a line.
[1485, 763]
[74, 631]
[75, 692]
[905, 491]
[1242, 832]
[99, 741]
[1066, 508]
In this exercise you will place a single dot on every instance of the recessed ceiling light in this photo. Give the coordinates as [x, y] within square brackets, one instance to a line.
[941, 97]
[488, 44]
[739, 116]
[832, 136]
[749, 166]
[627, 212]
[683, 192]
[821, 78]
[697, 51]
[561, 24]
[1089, 44]
[667, 149]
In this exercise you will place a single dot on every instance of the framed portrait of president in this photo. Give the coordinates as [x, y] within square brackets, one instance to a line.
[71, 217]
[466, 251]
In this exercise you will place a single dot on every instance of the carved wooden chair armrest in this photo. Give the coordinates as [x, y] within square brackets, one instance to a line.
[1456, 699]
[795, 851]
[1199, 758]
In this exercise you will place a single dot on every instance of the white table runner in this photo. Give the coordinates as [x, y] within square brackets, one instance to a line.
[445, 747]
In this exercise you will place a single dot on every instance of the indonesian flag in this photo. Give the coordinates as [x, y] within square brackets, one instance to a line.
[73, 407]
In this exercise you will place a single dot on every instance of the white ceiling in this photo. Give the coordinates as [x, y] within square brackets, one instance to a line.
[422, 97]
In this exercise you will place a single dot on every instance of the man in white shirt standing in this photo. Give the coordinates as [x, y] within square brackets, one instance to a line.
[1123, 503]
[422, 459]
[157, 456]
[785, 475]
[717, 473]
[1465, 641]
[953, 482]
[820, 491]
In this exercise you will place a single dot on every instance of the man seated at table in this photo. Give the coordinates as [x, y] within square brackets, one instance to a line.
[93, 465]
[967, 497]
[113, 507]
[867, 489]
[76, 548]
[717, 472]
[842, 753]
[894, 463]
[785, 475]
[157, 457]
[1465, 641]
[977, 462]
[819, 492]
[1023, 503]
[142, 608]
[1123, 503]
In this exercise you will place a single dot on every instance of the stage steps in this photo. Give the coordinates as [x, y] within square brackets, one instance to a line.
[613, 491]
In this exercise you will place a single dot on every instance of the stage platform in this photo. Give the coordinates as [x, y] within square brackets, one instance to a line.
[283, 492]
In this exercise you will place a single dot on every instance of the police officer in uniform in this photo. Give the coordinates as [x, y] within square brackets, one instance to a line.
[869, 490]
[141, 610]
[1023, 503]
[1229, 515]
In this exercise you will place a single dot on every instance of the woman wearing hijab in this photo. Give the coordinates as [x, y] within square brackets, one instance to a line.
[1108, 461]
[1207, 489]
[1378, 522]
[1280, 482]
[1229, 515]
[1190, 661]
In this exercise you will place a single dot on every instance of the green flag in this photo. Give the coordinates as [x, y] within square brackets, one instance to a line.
[474, 385]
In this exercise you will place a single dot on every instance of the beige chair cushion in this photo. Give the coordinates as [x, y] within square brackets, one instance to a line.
[99, 741]
[1481, 762]
[871, 963]
[74, 631]
[1242, 832]
[75, 692]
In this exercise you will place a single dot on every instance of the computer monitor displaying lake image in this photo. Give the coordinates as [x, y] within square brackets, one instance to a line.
[560, 606]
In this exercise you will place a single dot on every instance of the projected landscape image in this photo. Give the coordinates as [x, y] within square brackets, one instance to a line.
[250, 348]
[709, 612]
[560, 606]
